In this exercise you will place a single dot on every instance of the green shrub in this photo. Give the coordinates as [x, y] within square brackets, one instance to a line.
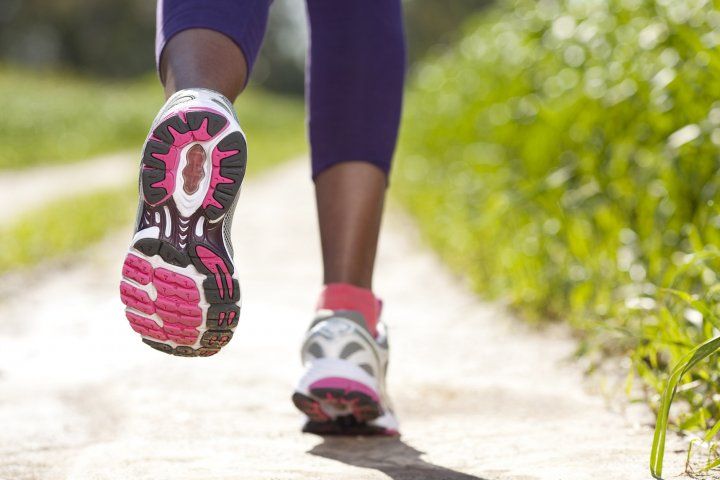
[564, 156]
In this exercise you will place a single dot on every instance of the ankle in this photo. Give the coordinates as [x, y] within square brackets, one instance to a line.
[344, 296]
[202, 58]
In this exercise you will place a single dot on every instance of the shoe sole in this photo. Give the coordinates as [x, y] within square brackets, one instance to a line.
[340, 395]
[178, 284]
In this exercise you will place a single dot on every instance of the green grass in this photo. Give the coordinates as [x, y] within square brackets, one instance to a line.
[56, 117]
[564, 156]
[65, 226]
[274, 125]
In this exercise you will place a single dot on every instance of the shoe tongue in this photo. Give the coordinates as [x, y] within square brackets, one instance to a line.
[349, 299]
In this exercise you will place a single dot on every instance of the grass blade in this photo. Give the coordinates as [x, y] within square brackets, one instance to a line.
[698, 354]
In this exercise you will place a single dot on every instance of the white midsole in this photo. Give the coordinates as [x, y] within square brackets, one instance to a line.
[334, 367]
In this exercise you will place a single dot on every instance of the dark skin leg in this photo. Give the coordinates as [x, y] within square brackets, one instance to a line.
[201, 58]
[349, 195]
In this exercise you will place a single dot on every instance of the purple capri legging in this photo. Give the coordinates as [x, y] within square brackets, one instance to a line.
[356, 67]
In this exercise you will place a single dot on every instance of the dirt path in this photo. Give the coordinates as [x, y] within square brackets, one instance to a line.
[27, 189]
[478, 394]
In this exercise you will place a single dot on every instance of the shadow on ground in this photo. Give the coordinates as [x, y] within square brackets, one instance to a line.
[389, 455]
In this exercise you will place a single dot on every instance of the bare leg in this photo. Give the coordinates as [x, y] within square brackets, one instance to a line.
[202, 58]
[350, 197]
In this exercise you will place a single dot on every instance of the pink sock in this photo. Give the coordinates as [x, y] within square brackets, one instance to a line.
[343, 296]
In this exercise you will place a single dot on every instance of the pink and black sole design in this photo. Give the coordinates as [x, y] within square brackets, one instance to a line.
[178, 288]
[341, 394]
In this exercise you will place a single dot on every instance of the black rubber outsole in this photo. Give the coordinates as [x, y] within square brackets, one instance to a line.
[344, 426]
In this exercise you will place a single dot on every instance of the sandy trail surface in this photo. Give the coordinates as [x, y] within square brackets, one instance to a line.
[479, 394]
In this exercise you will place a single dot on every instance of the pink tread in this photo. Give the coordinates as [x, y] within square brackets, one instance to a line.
[345, 384]
[182, 340]
[217, 179]
[176, 303]
[227, 317]
[137, 269]
[136, 298]
[169, 290]
[171, 160]
[314, 411]
[171, 277]
[220, 337]
[217, 266]
[145, 326]
[178, 329]
[174, 317]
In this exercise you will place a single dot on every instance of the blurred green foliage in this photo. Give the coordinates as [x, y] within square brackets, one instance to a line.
[53, 118]
[106, 37]
[432, 26]
[114, 39]
[564, 155]
[65, 226]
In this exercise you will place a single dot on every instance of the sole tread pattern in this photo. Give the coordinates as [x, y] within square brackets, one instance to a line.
[320, 423]
[176, 305]
[354, 406]
[190, 315]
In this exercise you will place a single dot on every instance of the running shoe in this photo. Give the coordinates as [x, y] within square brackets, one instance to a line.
[342, 391]
[179, 283]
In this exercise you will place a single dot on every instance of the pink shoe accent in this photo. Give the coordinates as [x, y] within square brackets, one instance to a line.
[176, 303]
[171, 160]
[176, 311]
[171, 277]
[135, 298]
[182, 340]
[177, 329]
[201, 134]
[346, 385]
[227, 317]
[217, 266]
[217, 338]
[180, 139]
[216, 179]
[311, 408]
[343, 296]
[135, 268]
[145, 326]
[168, 289]
[170, 283]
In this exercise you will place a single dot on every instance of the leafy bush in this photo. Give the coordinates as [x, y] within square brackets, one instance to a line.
[564, 156]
